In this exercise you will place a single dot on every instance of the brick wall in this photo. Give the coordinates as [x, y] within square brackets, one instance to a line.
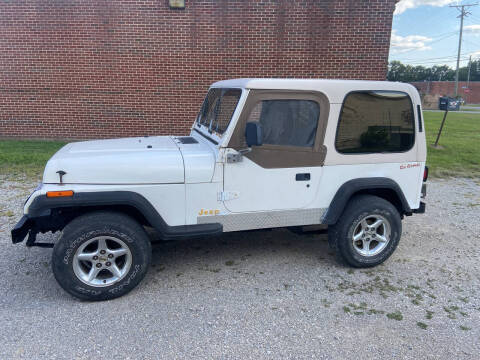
[432, 90]
[104, 68]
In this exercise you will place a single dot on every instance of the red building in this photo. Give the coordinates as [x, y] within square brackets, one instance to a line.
[93, 69]
[432, 90]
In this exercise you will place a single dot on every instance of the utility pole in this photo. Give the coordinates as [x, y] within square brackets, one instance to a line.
[463, 13]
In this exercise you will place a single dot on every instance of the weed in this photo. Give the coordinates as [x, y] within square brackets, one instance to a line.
[422, 325]
[326, 303]
[361, 306]
[375, 311]
[397, 315]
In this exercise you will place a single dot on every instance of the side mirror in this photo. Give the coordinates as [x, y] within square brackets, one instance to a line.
[254, 134]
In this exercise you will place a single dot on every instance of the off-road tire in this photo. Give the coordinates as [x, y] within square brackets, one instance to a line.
[341, 234]
[98, 224]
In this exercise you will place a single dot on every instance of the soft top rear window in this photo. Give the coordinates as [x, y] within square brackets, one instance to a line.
[218, 108]
[375, 122]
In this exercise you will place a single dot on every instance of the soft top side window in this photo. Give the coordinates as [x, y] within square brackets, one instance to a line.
[375, 122]
[289, 122]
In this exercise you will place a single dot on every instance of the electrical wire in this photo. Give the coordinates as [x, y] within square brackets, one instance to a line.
[432, 42]
[435, 58]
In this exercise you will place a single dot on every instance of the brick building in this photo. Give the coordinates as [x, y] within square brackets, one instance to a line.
[104, 68]
[430, 91]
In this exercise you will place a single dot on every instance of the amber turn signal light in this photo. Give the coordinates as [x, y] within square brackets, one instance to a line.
[64, 193]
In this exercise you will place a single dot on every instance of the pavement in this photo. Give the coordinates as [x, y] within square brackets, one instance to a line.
[260, 295]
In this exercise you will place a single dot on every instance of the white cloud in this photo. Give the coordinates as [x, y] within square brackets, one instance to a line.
[476, 55]
[472, 29]
[403, 5]
[400, 44]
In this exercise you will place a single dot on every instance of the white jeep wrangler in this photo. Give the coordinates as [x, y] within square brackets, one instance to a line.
[262, 153]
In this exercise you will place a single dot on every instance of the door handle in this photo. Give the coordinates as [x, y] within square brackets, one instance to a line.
[302, 177]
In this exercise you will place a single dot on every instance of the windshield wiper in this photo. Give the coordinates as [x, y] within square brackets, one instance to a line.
[206, 136]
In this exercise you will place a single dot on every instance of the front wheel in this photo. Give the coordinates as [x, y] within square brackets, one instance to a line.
[101, 256]
[368, 231]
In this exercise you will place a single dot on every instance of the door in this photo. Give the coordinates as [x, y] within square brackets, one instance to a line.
[284, 172]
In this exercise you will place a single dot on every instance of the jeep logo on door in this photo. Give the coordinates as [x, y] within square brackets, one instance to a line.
[204, 212]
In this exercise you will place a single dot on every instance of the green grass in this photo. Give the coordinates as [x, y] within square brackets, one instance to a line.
[26, 157]
[459, 154]
[473, 109]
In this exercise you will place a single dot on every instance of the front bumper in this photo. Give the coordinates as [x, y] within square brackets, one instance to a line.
[21, 230]
[28, 226]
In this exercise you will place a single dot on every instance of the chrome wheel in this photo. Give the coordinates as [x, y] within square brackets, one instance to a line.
[371, 235]
[102, 261]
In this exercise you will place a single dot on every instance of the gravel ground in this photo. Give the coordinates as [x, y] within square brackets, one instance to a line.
[265, 294]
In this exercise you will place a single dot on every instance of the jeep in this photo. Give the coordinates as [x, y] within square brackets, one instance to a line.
[261, 154]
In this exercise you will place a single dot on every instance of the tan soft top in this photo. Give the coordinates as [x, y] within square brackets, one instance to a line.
[335, 90]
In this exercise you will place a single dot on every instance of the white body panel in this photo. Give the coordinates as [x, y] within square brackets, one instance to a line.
[118, 161]
[192, 183]
[199, 162]
[262, 189]
[408, 178]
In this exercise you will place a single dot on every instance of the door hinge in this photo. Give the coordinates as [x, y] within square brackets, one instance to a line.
[227, 195]
[234, 158]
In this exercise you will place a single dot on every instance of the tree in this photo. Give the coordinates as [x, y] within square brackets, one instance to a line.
[409, 73]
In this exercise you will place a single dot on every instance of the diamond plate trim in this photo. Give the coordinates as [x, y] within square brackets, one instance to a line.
[265, 219]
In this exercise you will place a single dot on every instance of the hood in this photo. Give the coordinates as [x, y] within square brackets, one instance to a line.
[140, 160]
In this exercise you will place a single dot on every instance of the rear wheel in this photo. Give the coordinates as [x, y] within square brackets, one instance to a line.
[368, 231]
[101, 256]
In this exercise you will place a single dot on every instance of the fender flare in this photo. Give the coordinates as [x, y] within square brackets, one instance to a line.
[42, 206]
[348, 189]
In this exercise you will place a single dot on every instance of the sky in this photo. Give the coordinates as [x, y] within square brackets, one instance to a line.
[425, 32]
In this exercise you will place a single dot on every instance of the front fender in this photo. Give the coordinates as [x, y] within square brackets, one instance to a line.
[41, 207]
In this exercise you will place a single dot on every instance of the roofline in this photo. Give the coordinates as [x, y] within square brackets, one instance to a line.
[260, 83]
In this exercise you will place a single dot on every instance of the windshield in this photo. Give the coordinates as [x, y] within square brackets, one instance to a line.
[218, 108]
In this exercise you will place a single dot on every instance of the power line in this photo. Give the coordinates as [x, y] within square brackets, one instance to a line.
[441, 35]
[471, 42]
[435, 58]
[436, 62]
[475, 18]
[433, 42]
[463, 13]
